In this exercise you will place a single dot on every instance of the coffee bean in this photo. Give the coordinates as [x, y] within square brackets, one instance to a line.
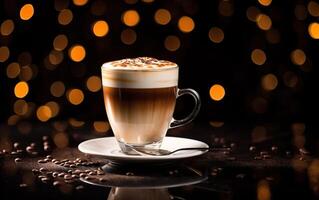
[77, 171]
[66, 165]
[87, 171]
[88, 178]
[99, 172]
[45, 180]
[73, 166]
[42, 169]
[79, 187]
[82, 175]
[252, 148]
[92, 173]
[303, 151]
[49, 173]
[42, 176]
[57, 183]
[17, 160]
[4, 151]
[70, 171]
[274, 148]
[102, 180]
[42, 161]
[46, 148]
[75, 176]
[14, 153]
[61, 174]
[77, 164]
[29, 149]
[35, 171]
[45, 138]
[53, 160]
[78, 159]
[67, 177]
[55, 174]
[57, 162]
[23, 185]
[65, 160]
[19, 151]
[49, 157]
[33, 144]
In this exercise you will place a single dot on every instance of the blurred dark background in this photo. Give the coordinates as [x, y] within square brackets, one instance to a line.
[251, 61]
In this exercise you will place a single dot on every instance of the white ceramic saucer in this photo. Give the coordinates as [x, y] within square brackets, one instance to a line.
[108, 148]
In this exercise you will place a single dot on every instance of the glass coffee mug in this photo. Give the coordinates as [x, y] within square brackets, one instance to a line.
[140, 96]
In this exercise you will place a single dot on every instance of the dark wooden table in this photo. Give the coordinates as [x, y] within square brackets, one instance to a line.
[265, 161]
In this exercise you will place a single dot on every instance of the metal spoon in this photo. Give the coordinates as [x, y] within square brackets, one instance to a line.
[165, 152]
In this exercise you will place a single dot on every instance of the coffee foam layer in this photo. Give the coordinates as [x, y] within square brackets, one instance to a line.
[140, 63]
[140, 79]
[142, 72]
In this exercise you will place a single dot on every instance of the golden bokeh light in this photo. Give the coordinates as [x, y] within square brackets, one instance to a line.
[26, 12]
[100, 28]
[20, 107]
[61, 140]
[269, 82]
[55, 57]
[130, 18]
[65, 17]
[101, 126]
[44, 113]
[75, 96]
[4, 53]
[26, 73]
[77, 53]
[57, 89]
[94, 83]
[80, 2]
[313, 30]
[54, 108]
[6, 27]
[13, 70]
[21, 89]
[313, 8]
[298, 57]
[172, 43]
[258, 57]
[76, 123]
[128, 36]
[263, 22]
[60, 42]
[273, 36]
[216, 35]
[186, 24]
[148, 1]
[265, 2]
[162, 16]
[217, 92]
[226, 8]
[252, 13]
[216, 124]
[263, 190]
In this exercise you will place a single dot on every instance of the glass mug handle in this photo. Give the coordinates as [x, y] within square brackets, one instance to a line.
[181, 122]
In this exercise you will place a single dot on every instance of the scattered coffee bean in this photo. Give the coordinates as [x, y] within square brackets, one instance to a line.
[75, 176]
[61, 174]
[82, 175]
[45, 179]
[132, 174]
[42, 161]
[33, 144]
[14, 153]
[49, 157]
[45, 138]
[73, 166]
[17, 160]
[42, 176]
[70, 171]
[102, 180]
[79, 187]
[57, 162]
[46, 148]
[303, 151]
[67, 177]
[92, 173]
[77, 164]
[4, 151]
[57, 183]
[66, 165]
[29, 149]
[42, 169]
[35, 171]
[77, 171]
[99, 172]
[252, 148]
[65, 160]
[49, 173]
[55, 174]
[53, 160]
[16, 145]
[19, 151]
[274, 148]
[88, 178]
[23, 185]
[34, 153]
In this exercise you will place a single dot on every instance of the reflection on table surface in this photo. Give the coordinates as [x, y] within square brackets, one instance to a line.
[279, 164]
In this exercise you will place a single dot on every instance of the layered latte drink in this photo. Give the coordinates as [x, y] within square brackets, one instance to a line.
[140, 96]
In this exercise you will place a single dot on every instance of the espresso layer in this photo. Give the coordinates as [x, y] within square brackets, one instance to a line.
[139, 116]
